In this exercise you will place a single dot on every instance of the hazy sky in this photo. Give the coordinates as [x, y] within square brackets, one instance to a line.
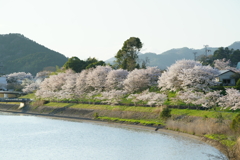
[98, 28]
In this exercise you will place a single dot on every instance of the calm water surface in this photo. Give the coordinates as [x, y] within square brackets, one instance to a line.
[36, 138]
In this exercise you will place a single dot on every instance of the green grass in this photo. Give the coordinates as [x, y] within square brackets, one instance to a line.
[224, 139]
[188, 112]
[102, 107]
[204, 114]
[143, 122]
[30, 96]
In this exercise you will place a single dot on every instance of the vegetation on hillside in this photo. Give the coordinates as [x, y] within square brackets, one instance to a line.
[222, 53]
[20, 54]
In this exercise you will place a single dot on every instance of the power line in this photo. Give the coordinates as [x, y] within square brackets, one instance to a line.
[195, 57]
[206, 49]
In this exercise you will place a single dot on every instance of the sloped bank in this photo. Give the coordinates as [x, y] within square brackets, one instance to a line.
[88, 114]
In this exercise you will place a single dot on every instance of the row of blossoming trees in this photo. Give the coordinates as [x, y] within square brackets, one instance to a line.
[189, 79]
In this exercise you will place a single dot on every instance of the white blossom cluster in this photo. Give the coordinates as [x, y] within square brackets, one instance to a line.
[223, 64]
[231, 99]
[151, 98]
[112, 97]
[18, 77]
[189, 78]
[212, 99]
[141, 79]
[101, 79]
[188, 74]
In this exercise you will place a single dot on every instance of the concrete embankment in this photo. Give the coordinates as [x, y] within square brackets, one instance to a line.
[88, 114]
[67, 111]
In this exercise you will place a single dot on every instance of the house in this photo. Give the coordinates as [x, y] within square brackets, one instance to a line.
[227, 77]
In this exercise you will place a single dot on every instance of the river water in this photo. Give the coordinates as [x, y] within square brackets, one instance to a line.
[36, 138]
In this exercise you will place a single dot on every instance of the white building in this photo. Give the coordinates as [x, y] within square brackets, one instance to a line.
[3, 83]
[226, 77]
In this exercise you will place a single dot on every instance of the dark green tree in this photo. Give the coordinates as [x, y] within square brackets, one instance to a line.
[222, 52]
[126, 58]
[206, 60]
[93, 62]
[75, 64]
[166, 113]
[235, 57]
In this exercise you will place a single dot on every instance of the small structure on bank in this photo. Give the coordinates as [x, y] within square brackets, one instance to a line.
[227, 77]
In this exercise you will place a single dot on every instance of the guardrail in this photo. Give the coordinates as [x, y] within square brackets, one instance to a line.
[15, 100]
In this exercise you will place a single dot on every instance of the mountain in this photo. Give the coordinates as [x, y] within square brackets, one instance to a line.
[169, 57]
[20, 54]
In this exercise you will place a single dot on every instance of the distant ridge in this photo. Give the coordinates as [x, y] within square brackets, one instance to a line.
[20, 54]
[169, 57]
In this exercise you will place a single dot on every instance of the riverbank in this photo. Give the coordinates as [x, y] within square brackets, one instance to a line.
[73, 114]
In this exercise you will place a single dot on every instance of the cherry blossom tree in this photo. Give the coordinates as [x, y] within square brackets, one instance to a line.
[222, 64]
[68, 89]
[51, 87]
[115, 79]
[30, 88]
[185, 74]
[18, 77]
[30, 85]
[141, 79]
[97, 77]
[211, 99]
[191, 97]
[230, 100]
[151, 98]
[42, 75]
[169, 79]
[81, 84]
[198, 78]
[207, 100]
[112, 97]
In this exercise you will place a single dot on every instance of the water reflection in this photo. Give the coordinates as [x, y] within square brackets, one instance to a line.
[29, 137]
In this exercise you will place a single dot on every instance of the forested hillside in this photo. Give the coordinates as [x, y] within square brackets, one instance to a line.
[20, 54]
[169, 57]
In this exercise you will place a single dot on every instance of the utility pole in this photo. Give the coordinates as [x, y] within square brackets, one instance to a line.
[195, 58]
[206, 49]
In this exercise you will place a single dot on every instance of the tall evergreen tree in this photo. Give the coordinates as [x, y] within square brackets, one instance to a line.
[127, 56]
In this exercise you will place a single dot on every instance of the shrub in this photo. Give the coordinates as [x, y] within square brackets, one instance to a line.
[219, 117]
[166, 113]
[235, 125]
[96, 115]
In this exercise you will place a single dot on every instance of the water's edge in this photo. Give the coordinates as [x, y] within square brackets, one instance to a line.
[87, 115]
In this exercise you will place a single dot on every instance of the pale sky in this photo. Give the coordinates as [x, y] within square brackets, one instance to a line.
[98, 28]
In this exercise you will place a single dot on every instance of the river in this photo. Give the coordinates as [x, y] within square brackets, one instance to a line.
[35, 138]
